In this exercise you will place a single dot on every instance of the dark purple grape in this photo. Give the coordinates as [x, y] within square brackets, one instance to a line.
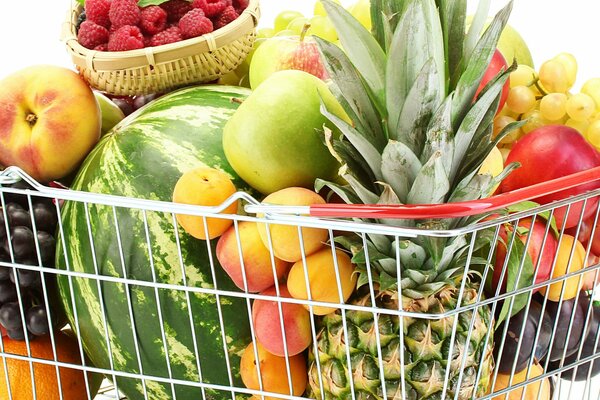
[10, 316]
[2, 226]
[8, 292]
[18, 216]
[20, 199]
[23, 243]
[45, 217]
[47, 245]
[4, 271]
[17, 333]
[141, 101]
[28, 278]
[37, 320]
[124, 105]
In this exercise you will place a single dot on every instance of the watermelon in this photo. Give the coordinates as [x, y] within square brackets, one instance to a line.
[143, 157]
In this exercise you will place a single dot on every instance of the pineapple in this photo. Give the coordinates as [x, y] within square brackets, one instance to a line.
[417, 137]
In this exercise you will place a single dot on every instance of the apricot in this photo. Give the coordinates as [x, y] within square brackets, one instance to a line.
[321, 270]
[531, 390]
[273, 372]
[205, 187]
[285, 239]
[256, 258]
[267, 324]
[563, 267]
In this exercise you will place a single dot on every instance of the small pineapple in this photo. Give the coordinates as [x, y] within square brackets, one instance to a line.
[418, 137]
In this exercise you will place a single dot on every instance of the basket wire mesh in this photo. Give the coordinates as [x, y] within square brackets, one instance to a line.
[560, 373]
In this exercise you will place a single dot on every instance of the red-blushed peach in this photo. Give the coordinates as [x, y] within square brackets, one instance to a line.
[566, 263]
[273, 372]
[49, 121]
[267, 324]
[205, 186]
[256, 258]
[322, 280]
[285, 239]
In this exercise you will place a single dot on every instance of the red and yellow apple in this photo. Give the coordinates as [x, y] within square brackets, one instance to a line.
[49, 121]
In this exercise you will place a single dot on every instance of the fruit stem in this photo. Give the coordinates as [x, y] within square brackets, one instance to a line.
[304, 32]
[236, 100]
[31, 119]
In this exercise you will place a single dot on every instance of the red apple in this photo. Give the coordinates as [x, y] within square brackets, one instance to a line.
[49, 121]
[497, 65]
[284, 53]
[551, 152]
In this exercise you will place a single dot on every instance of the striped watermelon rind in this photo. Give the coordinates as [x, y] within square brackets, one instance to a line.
[143, 157]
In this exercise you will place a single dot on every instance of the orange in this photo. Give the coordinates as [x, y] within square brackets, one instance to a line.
[73, 385]
[532, 390]
[205, 187]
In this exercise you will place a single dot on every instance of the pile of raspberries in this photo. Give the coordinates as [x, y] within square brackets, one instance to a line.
[120, 25]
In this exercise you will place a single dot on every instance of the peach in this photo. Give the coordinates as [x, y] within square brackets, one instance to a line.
[267, 324]
[538, 390]
[273, 372]
[256, 258]
[565, 264]
[49, 121]
[322, 280]
[205, 187]
[285, 239]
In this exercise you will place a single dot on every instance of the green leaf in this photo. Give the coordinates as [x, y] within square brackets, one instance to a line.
[440, 135]
[477, 25]
[431, 184]
[346, 194]
[81, 2]
[530, 205]
[385, 15]
[363, 50]
[412, 256]
[477, 65]
[369, 153]
[146, 3]
[519, 275]
[355, 96]
[399, 167]
[452, 14]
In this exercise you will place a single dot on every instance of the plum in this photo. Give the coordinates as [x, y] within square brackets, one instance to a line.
[533, 320]
[591, 346]
[564, 341]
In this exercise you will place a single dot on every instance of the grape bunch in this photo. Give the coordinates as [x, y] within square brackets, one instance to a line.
[543, 97]
[29, 228]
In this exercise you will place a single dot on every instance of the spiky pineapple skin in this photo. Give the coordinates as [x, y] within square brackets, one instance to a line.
[426, 346]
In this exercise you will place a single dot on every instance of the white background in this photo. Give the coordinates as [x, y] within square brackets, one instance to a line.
[30, 30]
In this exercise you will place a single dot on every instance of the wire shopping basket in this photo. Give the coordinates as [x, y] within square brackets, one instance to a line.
[501, 308]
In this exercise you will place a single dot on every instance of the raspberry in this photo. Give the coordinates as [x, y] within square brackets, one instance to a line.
[240, 5]
[97, 11]
[176, 9]
[194, 24]
[124, 12]
[169, 35]
[226, 17]
[211, 8]
[101, 47]
[126, 38]
[153, 20]
[91, 34]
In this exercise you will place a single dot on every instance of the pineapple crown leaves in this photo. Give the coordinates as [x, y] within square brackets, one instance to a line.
[413, 82]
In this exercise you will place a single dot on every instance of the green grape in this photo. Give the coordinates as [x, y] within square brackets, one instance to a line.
[500, 122]
[284, 18]
[265, 33]
[580, 126]
[521, 99]
[286, 32]
[361, 10]
[297, 25]
[323, 27]
[524, 75]
[320, 10]
[592, 89]
[554, 77]
[580, 107]
[554, 106]
[534, 120]
[570, 63]
[592, 134]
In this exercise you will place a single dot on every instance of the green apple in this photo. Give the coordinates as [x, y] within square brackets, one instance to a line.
[286, 53]
[283, 19]
[111, 113]
[275, 138]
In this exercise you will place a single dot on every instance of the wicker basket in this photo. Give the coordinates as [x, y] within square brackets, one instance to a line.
[164, 68]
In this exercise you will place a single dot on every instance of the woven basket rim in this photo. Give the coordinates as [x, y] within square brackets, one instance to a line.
[95, 60]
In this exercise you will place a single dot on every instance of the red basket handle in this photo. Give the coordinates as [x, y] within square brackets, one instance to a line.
[455, 210]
